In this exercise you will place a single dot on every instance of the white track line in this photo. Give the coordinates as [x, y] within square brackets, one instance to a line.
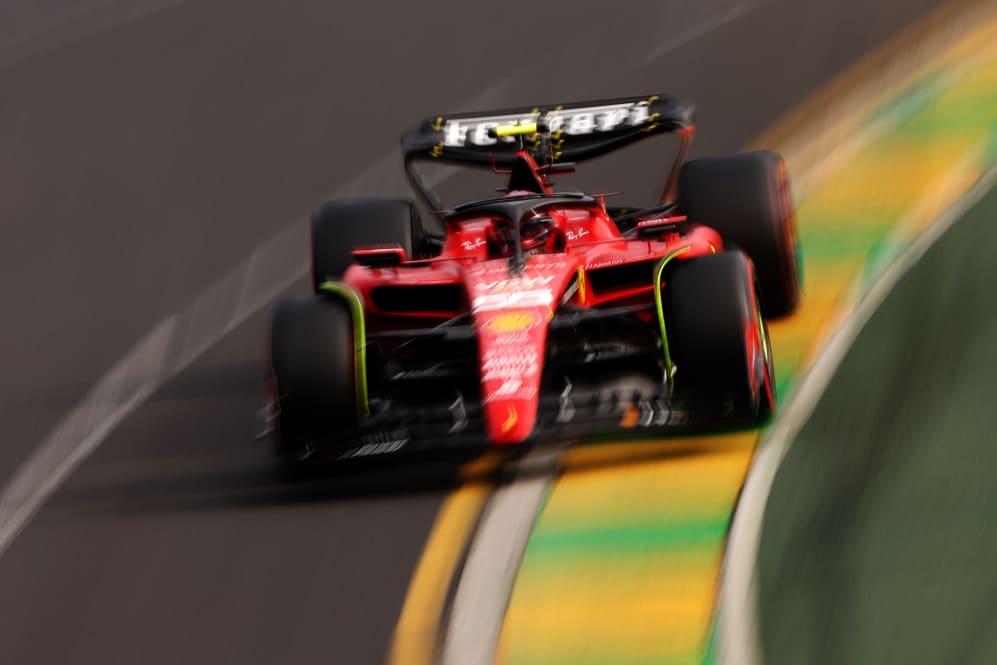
[114, 397]
[738, 639]
[170, 347]
[475, 617]
[703, 28]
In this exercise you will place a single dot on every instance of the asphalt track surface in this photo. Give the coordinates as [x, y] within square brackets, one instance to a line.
[146, 148]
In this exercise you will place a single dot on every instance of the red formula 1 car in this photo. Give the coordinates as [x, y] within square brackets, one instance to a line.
[537, 313]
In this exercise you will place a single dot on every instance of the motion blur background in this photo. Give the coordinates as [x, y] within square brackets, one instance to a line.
[157, 160]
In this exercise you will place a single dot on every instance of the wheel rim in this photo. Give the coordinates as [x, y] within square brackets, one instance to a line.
[761, 367]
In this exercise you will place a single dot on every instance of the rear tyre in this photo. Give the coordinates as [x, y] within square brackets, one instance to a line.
[718, 339]
[339, 226]
[312, 360]
[745, 197]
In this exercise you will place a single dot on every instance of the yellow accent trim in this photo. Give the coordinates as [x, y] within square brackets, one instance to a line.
[514, 321]
[630, 416]
[354, 303]
[512, 417]
[503, 131]
[659, 305]
[581, 284]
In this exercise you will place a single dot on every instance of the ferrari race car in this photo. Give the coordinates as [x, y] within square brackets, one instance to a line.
[537, 313]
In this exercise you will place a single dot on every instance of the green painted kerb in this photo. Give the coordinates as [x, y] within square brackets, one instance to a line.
[658, 272]
[352, 300]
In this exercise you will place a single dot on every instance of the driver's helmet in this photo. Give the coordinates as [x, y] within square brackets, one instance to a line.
[537, 235]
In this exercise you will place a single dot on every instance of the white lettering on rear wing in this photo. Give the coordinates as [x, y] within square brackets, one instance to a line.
[572, 122]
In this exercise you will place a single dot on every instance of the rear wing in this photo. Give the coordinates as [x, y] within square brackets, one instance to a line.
[578, 132]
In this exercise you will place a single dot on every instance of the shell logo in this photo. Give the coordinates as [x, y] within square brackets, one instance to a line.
[512, 322]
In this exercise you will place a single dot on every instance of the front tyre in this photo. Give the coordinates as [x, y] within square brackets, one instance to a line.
[718, 339]
[313, 369]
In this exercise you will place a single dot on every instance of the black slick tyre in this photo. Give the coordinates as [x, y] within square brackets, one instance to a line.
[312, 361]
[340, 226]
[717, 338]
[746, 198]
